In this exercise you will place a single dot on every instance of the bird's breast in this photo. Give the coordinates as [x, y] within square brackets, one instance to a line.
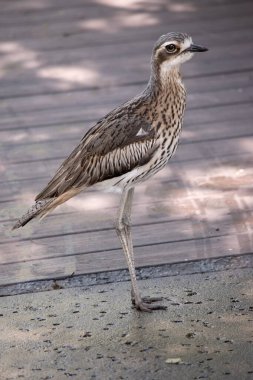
[168, 125]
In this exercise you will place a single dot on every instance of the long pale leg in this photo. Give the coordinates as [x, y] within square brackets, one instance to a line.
[123, 227]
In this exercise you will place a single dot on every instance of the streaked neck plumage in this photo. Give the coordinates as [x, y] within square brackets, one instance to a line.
[165, 78]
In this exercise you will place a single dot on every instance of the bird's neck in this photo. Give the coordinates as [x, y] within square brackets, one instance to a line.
[164, 98]
[164, 95]
[165, 79]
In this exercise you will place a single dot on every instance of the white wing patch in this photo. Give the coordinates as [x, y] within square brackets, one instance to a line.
[142, 132]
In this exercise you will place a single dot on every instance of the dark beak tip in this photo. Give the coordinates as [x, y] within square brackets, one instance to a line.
[196, 48]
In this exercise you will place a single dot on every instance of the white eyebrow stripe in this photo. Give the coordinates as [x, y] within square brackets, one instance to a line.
[187, 43]
[169, 42]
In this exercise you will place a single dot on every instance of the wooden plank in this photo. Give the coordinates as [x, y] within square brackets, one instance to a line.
[199, 206]
[132, 48]
[79, 112]
[83, 39]
[124, 20]
[106, 77]
[78, 236]
[81, 49]
[213, 180]
[197, 90]
[145, 256]
[65, 243]
[16, 6]
[234, 235]
[50, 12]
[91, 65]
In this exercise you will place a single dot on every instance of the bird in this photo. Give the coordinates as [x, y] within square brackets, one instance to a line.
[126, 147]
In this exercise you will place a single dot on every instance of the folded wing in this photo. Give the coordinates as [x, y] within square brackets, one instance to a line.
[114, 146]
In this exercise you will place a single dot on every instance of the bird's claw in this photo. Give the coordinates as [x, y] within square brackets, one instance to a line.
[147, 304]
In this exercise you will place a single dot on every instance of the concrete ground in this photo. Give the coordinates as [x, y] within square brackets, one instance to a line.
[92, 333]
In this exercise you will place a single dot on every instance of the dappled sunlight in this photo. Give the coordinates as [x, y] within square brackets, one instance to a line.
[247, 144]
[119, 22]
[188, 134]
[27, 196]
[181, 7]
[42, 135]
[25, 252]
[94, 201]
[97, 24]
[19, 136]
[125, 18]
[220, 179]
[226, 182]
[16, 56]
[131, 4]
[28, 138]
[68, 76]
[111, 26]
[150, 6]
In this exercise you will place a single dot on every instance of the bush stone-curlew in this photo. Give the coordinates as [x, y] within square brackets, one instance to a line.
[127, 146]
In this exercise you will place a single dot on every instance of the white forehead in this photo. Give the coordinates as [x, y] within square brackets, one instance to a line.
[187, 43]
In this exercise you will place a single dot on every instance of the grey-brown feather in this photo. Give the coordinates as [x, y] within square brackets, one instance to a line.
[40, 208]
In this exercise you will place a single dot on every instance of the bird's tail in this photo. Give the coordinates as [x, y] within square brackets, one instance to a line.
[43, 206]
[40, 208]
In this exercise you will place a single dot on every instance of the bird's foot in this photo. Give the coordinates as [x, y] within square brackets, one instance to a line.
[147, 304]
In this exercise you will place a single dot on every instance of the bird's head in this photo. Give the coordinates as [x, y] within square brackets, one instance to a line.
[172, 49]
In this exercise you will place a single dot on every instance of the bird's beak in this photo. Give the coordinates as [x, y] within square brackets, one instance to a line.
[195, 48]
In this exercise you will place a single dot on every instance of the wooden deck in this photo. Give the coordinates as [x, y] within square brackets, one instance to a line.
[65, 64]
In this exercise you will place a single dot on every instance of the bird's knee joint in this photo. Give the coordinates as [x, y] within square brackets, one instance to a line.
[126, 221]
[123, 224]
[119, 227]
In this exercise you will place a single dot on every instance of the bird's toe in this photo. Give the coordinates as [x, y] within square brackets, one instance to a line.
[151, 299]
[148, 304]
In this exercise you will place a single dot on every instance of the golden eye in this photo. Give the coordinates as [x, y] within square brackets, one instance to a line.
[171, 48]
